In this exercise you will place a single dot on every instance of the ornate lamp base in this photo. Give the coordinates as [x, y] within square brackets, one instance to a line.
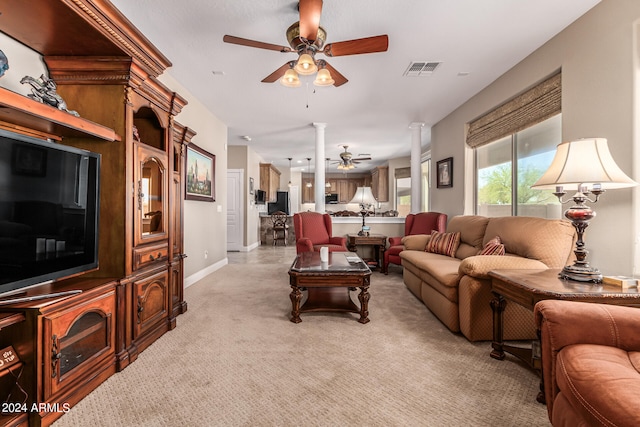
[580, 214]
[581, 273]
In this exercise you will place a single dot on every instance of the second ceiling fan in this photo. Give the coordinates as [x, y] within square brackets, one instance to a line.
[347, 161]
[306, 37]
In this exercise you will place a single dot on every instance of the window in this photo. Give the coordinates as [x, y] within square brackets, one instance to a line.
[403, 196]
[403, 188]
[508, 167]
[426, 184]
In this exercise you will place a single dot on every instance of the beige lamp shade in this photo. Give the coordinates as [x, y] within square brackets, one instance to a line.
[363, 196]
[306, 65]
[584, 162]
[290, 78]
[323, 78]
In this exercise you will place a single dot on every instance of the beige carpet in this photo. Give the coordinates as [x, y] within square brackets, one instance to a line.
[235, 359]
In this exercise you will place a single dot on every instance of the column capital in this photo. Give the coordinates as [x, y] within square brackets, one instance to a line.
[319, 125]
[414, 125]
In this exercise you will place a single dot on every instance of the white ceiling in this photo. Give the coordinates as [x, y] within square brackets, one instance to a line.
[372, 112]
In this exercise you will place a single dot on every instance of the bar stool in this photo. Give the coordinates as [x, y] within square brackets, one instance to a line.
[279, 227]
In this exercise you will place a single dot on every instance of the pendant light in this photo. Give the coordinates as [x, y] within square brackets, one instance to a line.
[326, 170]
[309, 184]
[289, 185]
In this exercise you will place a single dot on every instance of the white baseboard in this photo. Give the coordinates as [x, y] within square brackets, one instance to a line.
[251, 247]
[188, 281]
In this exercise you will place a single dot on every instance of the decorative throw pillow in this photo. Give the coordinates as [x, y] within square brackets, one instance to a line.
[443, 243]
[493, 247]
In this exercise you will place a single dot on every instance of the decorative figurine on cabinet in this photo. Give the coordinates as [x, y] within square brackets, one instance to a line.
[44, 90]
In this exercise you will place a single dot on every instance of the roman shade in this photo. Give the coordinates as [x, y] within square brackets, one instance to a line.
[402, 173]
[527, 109]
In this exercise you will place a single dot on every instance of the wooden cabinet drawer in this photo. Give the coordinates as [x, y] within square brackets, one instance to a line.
[148, 255]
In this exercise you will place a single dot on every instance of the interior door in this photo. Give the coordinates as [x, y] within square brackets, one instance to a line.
[235, 211]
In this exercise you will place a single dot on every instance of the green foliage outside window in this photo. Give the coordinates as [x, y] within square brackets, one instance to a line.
[497, 188]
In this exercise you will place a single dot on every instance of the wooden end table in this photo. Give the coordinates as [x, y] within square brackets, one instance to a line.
[527, 287]
[378, 241]
[329, 284]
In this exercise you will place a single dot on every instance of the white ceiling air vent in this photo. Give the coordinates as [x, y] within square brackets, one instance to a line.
[421, 68]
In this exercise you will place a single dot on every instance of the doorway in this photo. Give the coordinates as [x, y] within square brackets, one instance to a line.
[235, 210]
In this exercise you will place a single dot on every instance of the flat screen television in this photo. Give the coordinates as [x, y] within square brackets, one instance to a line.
[49, 211]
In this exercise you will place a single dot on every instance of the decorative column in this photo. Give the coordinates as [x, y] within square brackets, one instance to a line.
[416, 172]
[319, 168]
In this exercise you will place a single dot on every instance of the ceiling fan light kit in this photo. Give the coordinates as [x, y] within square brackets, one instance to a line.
[307, 38]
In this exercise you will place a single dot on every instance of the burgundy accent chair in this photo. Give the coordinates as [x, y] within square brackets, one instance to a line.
[313, 230]
[590, 362]
[420, 223]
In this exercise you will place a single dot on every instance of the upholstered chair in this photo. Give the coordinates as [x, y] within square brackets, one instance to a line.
[420, 223]
[590, 362]
[314, 230]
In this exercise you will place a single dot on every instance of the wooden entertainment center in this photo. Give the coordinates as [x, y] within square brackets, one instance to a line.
[106, 70]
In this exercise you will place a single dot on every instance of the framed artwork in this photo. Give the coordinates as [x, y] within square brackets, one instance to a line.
[250, 185]
[200, 176]
[30, 161]
[444, 171]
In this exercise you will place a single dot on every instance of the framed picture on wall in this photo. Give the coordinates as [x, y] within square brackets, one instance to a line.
[444, 169]
[201, 172]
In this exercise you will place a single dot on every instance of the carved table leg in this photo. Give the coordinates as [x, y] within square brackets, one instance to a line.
[498, 304]
[295, 296]
[364, 296]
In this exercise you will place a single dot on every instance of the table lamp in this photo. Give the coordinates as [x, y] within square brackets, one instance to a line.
[363, 197]
[587, 166]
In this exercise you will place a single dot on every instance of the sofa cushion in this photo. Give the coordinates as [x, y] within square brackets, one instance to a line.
[443, 243]
[547, 240]
[416, 242]
[472, 229]
[601, 383]
[493, 247]
[427, 265]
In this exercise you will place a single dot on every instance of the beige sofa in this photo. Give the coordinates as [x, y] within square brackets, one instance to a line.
[458, 289]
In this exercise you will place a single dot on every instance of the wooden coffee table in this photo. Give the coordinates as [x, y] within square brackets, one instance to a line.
[527, 287]
[329, 284]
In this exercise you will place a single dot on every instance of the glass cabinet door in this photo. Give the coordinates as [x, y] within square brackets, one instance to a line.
[152, 189]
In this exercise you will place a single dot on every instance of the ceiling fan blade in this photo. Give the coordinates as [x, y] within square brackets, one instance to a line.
[277, 73]
[358, 46]
[361, 159]
[310, 11]
[338, 78]
[256, 44]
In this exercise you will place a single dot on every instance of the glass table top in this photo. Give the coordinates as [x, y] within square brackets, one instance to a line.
[338, 262]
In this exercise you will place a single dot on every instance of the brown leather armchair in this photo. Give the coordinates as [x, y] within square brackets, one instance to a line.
[420, 223]
[590, 362]
[314, 230]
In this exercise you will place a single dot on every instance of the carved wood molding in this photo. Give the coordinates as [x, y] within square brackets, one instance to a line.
[118, 28]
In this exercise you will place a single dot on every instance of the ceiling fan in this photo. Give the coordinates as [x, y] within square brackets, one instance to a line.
[347, 161]
[306, 37]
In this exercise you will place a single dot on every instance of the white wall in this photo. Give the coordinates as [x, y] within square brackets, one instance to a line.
[596, 54]
[22, 62]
